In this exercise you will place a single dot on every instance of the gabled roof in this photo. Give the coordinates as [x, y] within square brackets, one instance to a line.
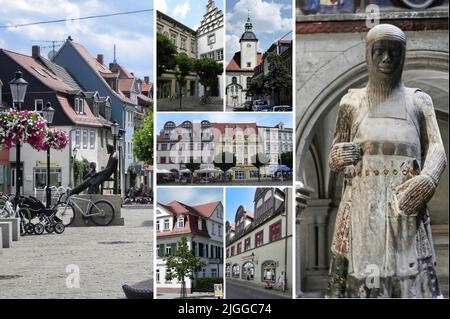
[203, 210]
[40, 72]
[61, 73]
[87, 119]
[235, 63]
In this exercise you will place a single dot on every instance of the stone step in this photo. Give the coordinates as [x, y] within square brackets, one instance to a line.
[6, 228]
[15, 227]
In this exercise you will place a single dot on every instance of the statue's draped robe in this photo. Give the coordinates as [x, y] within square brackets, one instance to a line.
[377, 249]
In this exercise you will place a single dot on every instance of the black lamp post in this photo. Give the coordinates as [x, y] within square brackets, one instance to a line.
[18, 88]
[115, 134]
[48, 112]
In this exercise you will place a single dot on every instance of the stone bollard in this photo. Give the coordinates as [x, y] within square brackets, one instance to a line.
[6, 234]
[15, 227]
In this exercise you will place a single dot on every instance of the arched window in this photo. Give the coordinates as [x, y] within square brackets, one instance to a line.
[248, 271]
[236, 271]
[269, 271]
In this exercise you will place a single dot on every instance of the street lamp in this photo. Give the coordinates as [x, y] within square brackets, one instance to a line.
[115, 134]
[47, 113]
[18, 87]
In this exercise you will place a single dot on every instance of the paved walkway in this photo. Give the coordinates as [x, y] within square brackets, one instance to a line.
[189, 104]
[107, 258]
[246, 290]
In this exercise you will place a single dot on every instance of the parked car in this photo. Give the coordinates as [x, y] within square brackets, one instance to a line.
[261, 106]
[282, 108]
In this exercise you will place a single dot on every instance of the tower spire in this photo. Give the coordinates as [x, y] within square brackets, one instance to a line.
[248, 24]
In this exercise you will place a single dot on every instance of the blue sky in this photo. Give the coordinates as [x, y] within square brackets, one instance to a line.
[132, 34]
[236, 197]
[190, 196]
[271, 19]
[188, 12]
[262, 119]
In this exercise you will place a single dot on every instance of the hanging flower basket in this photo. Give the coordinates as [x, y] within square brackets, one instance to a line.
[56, 139]
[27, 127]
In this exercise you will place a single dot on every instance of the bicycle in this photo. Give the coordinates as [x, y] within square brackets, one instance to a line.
[100, 212]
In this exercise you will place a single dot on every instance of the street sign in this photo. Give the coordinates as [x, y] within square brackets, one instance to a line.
[218, 292]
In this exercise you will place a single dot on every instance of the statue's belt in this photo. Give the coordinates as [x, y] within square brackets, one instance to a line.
[388, 148]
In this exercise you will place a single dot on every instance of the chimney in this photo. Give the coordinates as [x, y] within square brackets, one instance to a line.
[35, 51]
[100, 58]
[147, 79]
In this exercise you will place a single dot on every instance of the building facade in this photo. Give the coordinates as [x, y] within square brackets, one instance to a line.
[202, 225]
[210, 42]
[259, 244]
[202, 142]
[185, 41]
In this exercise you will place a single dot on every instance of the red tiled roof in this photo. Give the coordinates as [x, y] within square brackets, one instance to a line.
[39, 71]
[235, 63]
[243, 126]
[93, 62]
[146, 87]
[87, 119]
[126, 85]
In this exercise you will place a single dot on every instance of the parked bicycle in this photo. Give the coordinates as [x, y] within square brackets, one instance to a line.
[100, 212]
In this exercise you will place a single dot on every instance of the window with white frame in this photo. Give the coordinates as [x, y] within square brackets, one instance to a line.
[85, 139]
[78, 138]
[181, 222]
[92, 139]
[38, 105]
[211, 39]
[166, 224]
[200, 224]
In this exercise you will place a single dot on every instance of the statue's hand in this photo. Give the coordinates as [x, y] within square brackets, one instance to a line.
[344, 154]
[414, 194]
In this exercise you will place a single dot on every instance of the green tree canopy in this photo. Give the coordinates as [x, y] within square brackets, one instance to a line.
[207, 71]
[257, 87]
[185, 65]
[165, 54]
[143, 140]
[278, 77]
[225, 161]
[287, 159]
[182, 263]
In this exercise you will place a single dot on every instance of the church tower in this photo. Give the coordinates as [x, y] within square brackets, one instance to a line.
[249, 47]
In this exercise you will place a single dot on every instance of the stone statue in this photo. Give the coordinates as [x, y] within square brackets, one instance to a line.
[388, 145]
[94, 180]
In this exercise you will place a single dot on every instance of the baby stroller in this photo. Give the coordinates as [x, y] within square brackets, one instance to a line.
[31, 209]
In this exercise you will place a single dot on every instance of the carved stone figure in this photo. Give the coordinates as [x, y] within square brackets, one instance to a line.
[388, 144]
[94, 180]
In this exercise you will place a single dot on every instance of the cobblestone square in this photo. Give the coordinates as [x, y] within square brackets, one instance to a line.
[107, 258]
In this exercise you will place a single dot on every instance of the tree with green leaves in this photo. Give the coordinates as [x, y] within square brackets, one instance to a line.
[287, 159]
[182, 263]
[143, 140]
[225, 161]
[165, 54]
[257, 87]
[208, 70]
[185, 65]
[278, 77]
[260, 160]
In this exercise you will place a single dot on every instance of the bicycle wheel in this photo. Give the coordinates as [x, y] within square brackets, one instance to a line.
[102, 213]
[65, 212]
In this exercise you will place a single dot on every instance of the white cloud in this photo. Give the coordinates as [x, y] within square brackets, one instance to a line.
[134, 43]
[190, 196]
[265, 16]
[161, 5]
[182, 10]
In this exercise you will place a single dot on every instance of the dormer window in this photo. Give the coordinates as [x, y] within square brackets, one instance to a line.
[79, 106]
[200, 224]
[181, 222]
[38, 105]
